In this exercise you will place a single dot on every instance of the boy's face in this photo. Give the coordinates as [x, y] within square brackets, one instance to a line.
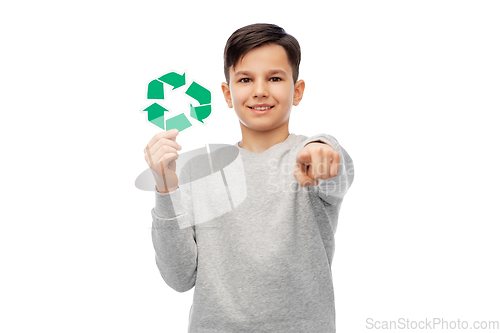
[263, 78]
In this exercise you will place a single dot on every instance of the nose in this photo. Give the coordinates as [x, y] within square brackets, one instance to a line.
[260, 89]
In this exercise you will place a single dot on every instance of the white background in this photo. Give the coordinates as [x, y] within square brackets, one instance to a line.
[409, 88]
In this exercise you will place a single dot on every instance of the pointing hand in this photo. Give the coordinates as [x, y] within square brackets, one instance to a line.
[316, 161]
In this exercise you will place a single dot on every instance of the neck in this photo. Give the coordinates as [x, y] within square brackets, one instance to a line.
[260, 141]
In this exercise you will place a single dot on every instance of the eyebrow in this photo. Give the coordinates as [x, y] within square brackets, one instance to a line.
[271, 72]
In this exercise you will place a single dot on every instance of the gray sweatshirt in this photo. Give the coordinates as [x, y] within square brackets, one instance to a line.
[265, 264]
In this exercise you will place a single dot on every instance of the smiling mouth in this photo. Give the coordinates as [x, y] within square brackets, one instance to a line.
[261, 108]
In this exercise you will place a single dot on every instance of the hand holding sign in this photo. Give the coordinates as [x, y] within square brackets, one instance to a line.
[160, 154]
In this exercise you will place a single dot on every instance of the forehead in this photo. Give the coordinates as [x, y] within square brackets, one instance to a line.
[263, 58]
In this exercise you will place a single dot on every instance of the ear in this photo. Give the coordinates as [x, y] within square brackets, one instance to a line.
[298, 92]
[227, 94]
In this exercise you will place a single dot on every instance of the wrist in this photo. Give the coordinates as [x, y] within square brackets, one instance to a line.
[167, 190]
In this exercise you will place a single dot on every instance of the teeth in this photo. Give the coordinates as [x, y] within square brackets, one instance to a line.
[261, 108]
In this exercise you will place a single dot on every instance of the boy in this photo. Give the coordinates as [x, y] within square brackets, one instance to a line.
[264, 266]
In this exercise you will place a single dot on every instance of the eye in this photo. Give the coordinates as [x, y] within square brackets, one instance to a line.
[276, 79]
[244, 80]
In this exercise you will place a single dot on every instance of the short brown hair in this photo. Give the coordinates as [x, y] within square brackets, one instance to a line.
[254, 35]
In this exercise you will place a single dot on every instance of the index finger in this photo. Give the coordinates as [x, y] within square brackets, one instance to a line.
[170, 134]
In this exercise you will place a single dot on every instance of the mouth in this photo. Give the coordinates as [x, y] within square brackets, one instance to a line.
[261, 108]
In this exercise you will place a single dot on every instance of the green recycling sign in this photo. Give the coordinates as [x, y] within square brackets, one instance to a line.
[156, 112]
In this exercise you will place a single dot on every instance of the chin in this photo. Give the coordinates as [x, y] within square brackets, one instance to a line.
[261, 127]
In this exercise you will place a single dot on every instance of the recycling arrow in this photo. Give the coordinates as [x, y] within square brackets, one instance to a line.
[179, 121]
[174, 79]
[200, 112]
[199, 93]
[156, 114]
[155, 90]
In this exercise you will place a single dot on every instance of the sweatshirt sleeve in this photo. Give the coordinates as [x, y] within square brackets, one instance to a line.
[176, 252]
[332, 190]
